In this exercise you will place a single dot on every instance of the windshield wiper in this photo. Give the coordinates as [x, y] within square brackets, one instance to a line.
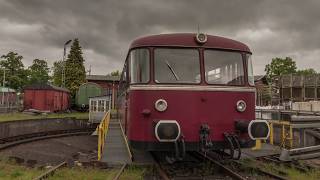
[171, 69]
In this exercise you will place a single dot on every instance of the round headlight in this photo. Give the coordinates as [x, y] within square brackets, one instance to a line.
[241, 106]
[161, 105]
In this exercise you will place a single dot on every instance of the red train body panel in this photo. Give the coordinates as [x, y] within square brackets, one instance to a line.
[190, 90]
[190, 109]
[46, 98]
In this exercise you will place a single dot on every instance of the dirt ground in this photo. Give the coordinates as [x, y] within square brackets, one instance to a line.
[53, 151]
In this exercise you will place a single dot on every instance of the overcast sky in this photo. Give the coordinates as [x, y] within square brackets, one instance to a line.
[39, 28]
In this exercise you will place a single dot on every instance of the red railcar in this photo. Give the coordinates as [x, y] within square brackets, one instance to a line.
[189, 92]
[45, 97]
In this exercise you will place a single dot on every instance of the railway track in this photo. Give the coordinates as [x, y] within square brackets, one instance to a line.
[197, 167]
[304, 168]
[238, 170]
[27, 138]
[51, 171]
[226, 169]
[120, 172]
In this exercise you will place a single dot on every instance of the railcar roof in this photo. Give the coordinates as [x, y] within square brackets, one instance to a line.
[189, 40]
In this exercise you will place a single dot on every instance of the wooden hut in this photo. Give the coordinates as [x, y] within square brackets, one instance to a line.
[46, 97]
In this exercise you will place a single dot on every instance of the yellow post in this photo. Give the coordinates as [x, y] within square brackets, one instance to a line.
[283, 136]
[258, 145]
[113, 95]
[291, 136]
[271, 133]
[99, 143]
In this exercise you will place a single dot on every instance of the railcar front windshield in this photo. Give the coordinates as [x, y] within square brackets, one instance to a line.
[223, 67]
[177, 66]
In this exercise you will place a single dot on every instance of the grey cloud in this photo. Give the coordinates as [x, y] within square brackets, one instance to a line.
[106, 28]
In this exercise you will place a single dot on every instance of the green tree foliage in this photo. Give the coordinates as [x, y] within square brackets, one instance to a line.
[115, 73]
[280, 66]
[57, 73]
[75, 73]
[38, 72]
[16, 75]
[309, 71]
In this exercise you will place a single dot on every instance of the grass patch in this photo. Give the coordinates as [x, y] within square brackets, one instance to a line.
[83, 174]
[77, 173]
[10, 170]
[133, 173]
[291, 173]
[22, 116]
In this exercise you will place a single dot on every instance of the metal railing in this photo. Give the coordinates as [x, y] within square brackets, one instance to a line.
[102, 130]
[286, 133]
[286, 137]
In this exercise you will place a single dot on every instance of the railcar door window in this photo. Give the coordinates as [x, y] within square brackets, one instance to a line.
[222, 67]
[139, 66]
[250, 70]
[176, 66]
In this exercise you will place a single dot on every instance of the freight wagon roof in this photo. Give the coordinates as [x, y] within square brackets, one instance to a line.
[102, 78]
[189, 40]
[45, 87]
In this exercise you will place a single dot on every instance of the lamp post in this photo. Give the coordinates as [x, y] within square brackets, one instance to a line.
[3, 84]
[63, 63]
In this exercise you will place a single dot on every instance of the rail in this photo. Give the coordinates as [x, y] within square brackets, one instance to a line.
[227, 170]
[51, 171]
[27, 138]
[102, 133]
[126, 141]
[120, 172]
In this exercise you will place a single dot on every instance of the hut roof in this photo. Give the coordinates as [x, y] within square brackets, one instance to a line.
[46, 87]
[102, 78]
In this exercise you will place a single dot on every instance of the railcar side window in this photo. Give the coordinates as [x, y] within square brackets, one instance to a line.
[250, 70]
[222, 67]
[176, 66]
[139, 66]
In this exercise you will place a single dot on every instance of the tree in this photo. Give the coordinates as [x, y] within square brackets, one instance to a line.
[75, 73]
[57, 73]
[39, 72]
[309, 71]
[115, 73]
[279, 66]
[16, 75]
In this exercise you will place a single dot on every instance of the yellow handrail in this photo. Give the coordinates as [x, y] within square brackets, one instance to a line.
[102, 133]
[285, 135]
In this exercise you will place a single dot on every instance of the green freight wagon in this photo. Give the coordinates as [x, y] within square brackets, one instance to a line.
[86, 91]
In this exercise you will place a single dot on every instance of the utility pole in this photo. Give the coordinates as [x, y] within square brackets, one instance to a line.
[89, 71]
[63, 78]
[3, 83]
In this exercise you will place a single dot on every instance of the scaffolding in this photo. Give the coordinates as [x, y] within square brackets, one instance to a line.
[295, 88]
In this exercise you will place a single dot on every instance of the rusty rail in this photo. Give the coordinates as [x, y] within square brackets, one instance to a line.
[51, 171]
